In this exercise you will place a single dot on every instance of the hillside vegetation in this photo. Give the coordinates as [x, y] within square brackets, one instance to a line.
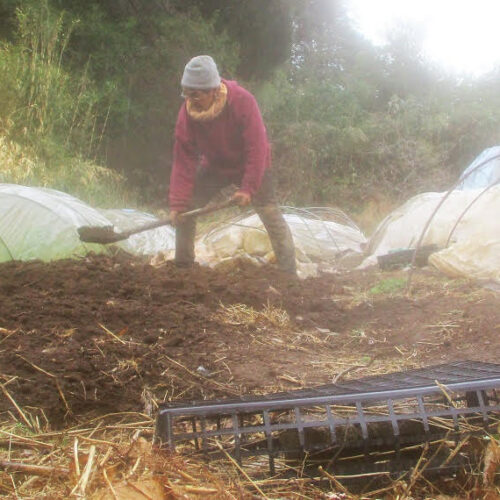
[89, 92]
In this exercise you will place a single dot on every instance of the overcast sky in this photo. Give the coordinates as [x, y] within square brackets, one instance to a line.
[461, 35]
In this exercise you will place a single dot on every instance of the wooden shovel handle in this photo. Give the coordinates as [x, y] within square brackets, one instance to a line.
[208, 209]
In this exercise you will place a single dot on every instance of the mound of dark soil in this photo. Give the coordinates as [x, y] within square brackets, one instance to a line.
[112, 334]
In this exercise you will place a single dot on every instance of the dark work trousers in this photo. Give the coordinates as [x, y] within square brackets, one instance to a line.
[207, 185]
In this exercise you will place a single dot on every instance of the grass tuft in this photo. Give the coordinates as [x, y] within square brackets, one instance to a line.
[388, 286]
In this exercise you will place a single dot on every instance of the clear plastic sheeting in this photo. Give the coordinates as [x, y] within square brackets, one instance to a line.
[148, 242]
[402, 228]
[40, 223]
[486, 175]
[324, 234]
[466, 227]
[321, 235]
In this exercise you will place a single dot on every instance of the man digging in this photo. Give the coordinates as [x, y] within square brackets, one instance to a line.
[220, 139]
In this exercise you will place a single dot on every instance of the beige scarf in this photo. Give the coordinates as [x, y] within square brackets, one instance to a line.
[213, 111]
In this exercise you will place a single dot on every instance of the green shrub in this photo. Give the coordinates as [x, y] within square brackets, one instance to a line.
[52, 120]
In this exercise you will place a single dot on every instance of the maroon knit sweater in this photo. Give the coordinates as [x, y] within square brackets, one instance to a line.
[233, 144]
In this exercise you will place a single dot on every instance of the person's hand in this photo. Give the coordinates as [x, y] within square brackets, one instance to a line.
[241, 198]
[174, 217]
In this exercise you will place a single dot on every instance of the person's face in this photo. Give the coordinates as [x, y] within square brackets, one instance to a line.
[200, 99]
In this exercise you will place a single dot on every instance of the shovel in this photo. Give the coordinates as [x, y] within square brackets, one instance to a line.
[106, 234]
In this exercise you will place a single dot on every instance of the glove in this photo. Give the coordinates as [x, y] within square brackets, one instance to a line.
[242, 198]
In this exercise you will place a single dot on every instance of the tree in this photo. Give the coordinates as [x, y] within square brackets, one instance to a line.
[262, 29]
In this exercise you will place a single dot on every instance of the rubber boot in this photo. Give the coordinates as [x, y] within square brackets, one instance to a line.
[280, 236]
[185, 233]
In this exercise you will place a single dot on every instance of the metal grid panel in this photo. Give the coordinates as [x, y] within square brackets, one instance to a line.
[464, 373]
[393, 410]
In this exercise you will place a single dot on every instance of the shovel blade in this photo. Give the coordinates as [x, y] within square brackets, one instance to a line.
[99, 234]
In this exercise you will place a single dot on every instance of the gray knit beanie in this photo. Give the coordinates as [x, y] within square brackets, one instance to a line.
[201, 73]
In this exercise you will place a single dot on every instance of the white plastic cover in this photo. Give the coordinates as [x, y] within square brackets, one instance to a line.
[402, 227]
[41, 223]
[474, 247]
[478, 260]
[487, 174]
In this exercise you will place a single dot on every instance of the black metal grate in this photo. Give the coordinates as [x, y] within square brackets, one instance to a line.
[372, 415]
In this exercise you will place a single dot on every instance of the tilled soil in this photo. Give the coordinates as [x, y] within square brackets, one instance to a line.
[113, 334]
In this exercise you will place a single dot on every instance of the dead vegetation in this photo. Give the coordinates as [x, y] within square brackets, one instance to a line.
[111, 457]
